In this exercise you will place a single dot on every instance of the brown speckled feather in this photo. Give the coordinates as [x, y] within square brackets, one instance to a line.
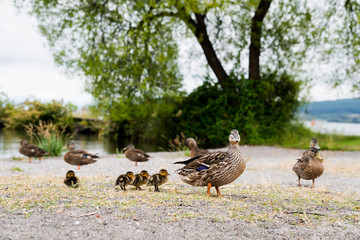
[31, 150]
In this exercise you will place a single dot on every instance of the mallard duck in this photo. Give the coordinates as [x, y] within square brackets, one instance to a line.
[135, 155]
[194, 149]
[158, 179]
[31, 150]
[78, 157]
[71, 180]
[309, 166]
[216, 168]
[125, 179]
[141, 179]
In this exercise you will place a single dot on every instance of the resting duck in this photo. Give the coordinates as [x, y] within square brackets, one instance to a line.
[125, 179]
[78, 157]
[216, 168]
[158, 179]
[135, 155]
[141, 179]
[194, 149]
[31, 150]
[309, 166]
[71, 180]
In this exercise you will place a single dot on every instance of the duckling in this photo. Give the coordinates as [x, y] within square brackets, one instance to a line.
[78, 157]
[158, 179]
[71, 180]
[141, 179]
[31, 150]
[216, 168]
[125, 179]
[194, 149]
[309, 166]
[135, 155]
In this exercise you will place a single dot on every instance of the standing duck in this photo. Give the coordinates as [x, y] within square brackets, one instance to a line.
[216, 168]
[71, 180]
[194, 149]
[135, 155]
[309, 166]
[125, 179]
[141, 179]
[158, 179]
[78, 157]
[31, 150]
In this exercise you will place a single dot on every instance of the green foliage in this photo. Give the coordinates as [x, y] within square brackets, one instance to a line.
[259, 114]
[5, 108]
[31, 112]
[48, 136]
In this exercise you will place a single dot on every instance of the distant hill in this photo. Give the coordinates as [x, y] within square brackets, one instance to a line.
[343, 110]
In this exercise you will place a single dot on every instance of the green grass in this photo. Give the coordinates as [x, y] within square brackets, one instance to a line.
[290, 205]
[16, 169]
[297, 136]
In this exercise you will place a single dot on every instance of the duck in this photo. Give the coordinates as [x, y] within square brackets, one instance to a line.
[71, 180]
[141, 179]
[135, 155]
[31, 150]
[158, 179]
[78, 157]
[214, 169]
[125, 179]
[194, 149]
[309, 166]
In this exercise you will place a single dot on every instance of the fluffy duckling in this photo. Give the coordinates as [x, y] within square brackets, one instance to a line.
[216, 168]
[78, 157]
[158, 179]
[125, 179]
[135, 155]
[141, 179]
[71, 180]
[31, 150]
[194, 149]
[309, 166]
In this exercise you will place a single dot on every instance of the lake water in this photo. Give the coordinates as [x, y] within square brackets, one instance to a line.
[10, 139]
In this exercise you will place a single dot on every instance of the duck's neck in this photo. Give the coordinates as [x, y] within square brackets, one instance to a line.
[314, 150]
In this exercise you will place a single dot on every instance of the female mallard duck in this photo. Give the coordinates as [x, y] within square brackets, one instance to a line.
[31, 150]
[194, 149]
[216, 168]
[309, 166]
[78, 157]
[141, 179]
[135, 155]
[71, 180]
[125, 179]
[158, 179]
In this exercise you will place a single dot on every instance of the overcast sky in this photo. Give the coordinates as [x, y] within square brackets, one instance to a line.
[27, 69]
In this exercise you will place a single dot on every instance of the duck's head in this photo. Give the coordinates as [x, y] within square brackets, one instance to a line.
[190, 142]
[234, 137]
[144, 173]
[23, 142]
[314, 143]
[164, 172]
[130, 146]
[70, 146]
[130, 174]
[70, 174]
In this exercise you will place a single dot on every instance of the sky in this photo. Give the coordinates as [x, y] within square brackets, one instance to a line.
[27, 69]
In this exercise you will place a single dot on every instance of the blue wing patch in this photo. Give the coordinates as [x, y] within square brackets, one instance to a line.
[202, 167]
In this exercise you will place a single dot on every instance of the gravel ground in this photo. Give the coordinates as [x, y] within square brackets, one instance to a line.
[266, 166]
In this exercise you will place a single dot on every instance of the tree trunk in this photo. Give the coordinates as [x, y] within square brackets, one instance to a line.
[255, 41]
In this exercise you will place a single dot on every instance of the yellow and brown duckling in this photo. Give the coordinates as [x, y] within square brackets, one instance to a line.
[78, 157]
[158, 179]
[124, 180]
[216, 168]
[309, 166]
[31, 150]
[194, 149]
[135, 155]
[71, 180]
[141, 179]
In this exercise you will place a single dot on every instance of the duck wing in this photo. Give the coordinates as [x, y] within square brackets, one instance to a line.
[141, 153]
[204, 161]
